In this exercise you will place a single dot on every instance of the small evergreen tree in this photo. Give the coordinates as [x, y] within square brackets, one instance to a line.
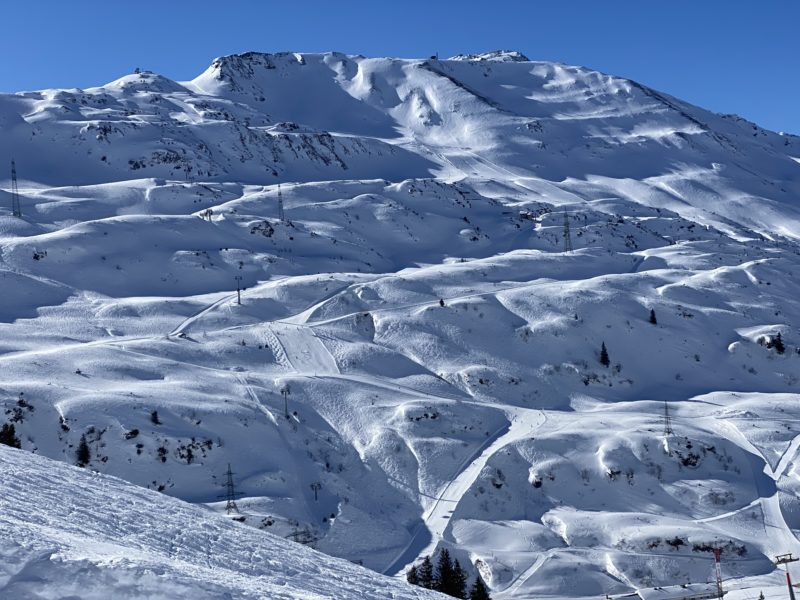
[82, 454]
[478, 590]
[777, 343]
[761, 596]
[425, 574]
[445, 579]
[459, 581]
[653, 319]
[604, 360]
[8, 436]
[154, 418]
[412, 576]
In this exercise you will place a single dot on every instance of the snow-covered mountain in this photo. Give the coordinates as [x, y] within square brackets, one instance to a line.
[439, 346]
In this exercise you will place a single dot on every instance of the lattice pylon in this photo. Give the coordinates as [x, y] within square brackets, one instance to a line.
[281, 214]
[230, 494]
[667, 420]
[16, 209]
[567, 236]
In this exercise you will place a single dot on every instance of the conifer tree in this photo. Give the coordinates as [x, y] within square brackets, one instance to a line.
[478, 590]
[82, 454]
[425, 574]
[604, 360]
[777, 343]
[8, 436]
[445, 581]
[459, 581]
[154, 418]
[412, 576]
[653, 319]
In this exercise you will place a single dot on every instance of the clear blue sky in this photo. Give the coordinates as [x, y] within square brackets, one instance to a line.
[739, 56]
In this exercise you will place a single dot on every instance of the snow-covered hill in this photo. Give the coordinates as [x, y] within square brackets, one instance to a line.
[75, 534]
[439, 346]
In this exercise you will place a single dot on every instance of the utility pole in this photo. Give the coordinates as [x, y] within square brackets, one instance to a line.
[16, 210]
[785, 559]
[230, 493]
[285, 391]
[238, 279]
[316, 487]
[281, 215]
[567, 236]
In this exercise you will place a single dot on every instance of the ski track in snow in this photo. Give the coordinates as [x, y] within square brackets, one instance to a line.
[201, 313]
[305, 352]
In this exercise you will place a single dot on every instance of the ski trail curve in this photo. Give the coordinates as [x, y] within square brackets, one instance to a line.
[766, 484]
[186, 323]
[520, 580]
[437, 517]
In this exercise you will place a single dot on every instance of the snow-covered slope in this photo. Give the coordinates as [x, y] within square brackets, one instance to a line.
[75, 534]
[440, 347]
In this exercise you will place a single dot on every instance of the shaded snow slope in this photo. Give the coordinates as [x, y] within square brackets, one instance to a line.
[414, 363]
[73, 533]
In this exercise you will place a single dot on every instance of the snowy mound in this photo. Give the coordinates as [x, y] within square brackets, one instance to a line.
[538, 315]
[76, 534]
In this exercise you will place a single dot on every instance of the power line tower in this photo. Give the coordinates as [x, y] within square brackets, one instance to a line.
[281, 215]
[667, 420]
[718, 571]
[567, 236]
[16, 210]
[230, 493]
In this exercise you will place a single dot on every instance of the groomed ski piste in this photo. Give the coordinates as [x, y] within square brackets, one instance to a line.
[415, 361]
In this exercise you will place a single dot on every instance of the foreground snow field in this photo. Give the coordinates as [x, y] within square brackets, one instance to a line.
[438, 347]
[75, 534]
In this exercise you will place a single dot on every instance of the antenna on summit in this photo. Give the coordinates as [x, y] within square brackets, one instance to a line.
[16, 210]
[281, 215]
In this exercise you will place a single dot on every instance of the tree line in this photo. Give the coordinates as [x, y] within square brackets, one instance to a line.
[447, 577]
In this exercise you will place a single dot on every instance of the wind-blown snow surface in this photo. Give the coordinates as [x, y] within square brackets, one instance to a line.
[440, 348]
[76, 534]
